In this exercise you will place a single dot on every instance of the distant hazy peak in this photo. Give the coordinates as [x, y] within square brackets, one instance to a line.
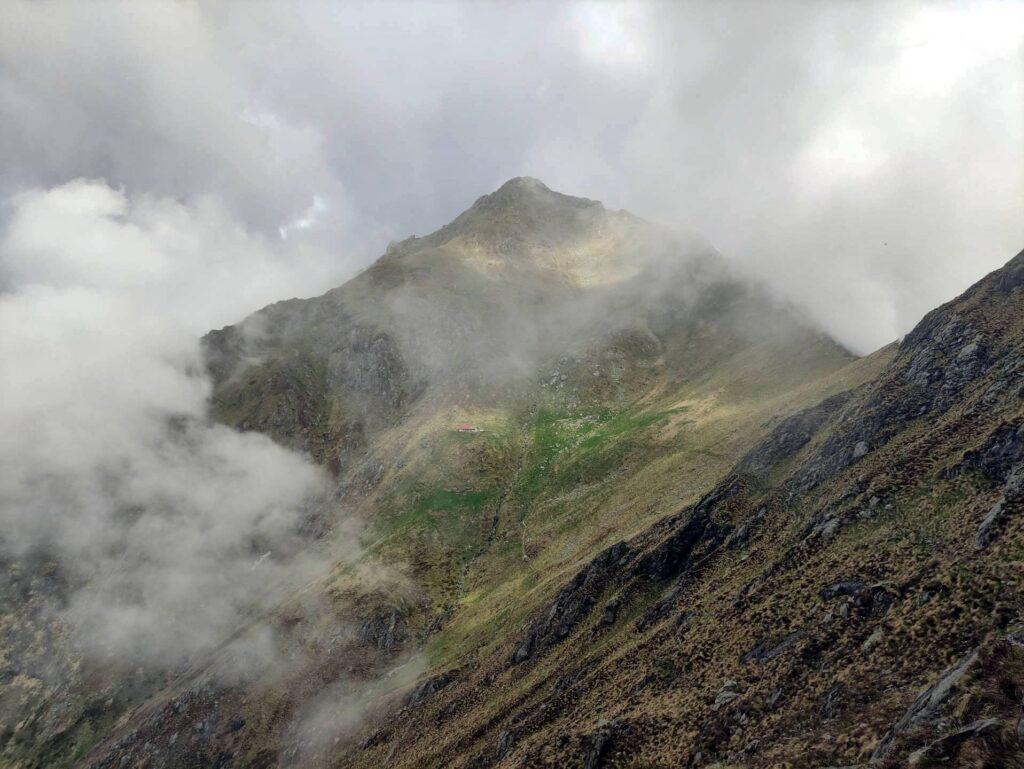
[527, 191]
[522, 213]
[528, 183]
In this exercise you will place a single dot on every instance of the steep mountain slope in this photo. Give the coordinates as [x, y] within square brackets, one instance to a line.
[869, 547]
[614, 506]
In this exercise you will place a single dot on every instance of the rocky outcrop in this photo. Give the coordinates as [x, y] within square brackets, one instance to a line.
[950, 351]
[385, 631]
[573, 603]
[370, 363]
[929, 706]
[869, 600]
[596, 746]
[999, 460]
[1010, 502]
[974, 700]
[431, 686]
[1010, 277]
[790, 436]
[944, 749]
[1000, 453]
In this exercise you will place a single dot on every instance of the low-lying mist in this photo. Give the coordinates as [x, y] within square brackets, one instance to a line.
[500, 310]
[171, 532]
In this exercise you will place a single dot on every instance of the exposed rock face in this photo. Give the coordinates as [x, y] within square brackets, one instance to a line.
[1010, 277]
[573, 603]
[1000, 460]
[1001, 453]
[791, 436]
[595, 748]
[680, 545]
[384, 632]
[195, 728]
[372, 364]
[947, 353]
[927, 708]
[428, 688]
[1010, 502]
[962, 717]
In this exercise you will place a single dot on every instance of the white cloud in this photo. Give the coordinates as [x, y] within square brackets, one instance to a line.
[940, 46]
[110, 464]
[612, 35]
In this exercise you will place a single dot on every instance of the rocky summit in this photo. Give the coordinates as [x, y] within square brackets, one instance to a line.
[597, 500]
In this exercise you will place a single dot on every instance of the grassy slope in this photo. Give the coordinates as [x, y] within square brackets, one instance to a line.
[827, 698]
[494, 523]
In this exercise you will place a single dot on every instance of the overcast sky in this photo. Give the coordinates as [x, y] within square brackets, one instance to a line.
[866, 158]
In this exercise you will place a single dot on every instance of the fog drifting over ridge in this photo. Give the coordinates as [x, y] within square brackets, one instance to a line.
[169, 167]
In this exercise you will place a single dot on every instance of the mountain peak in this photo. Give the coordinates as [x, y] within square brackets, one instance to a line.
[524, 183]
[522, 214]
[528, 192]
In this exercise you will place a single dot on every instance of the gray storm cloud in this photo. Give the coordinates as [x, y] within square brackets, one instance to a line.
[168, 167]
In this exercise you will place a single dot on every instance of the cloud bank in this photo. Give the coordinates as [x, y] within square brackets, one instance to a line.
[866, 159]
[173, 530]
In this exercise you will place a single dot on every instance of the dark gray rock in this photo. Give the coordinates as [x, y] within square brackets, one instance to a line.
[1010, 277]
[384, 631]
[1011, 501]
[372, 364]
[681, 544]
[595, 748]
[747, 529]
[428, 688]
[947, 746]
[943, 356]
[769, 649]
[1001, 452]
[505, 742]
[838, 589]
[927, 708]
[873, 600]
[573, 602]
[611, 612]
[790, 436]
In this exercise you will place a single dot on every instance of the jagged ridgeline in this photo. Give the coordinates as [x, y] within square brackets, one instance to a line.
[641, 515]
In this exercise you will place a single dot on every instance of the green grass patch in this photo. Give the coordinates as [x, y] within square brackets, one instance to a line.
[451, 501]
[566, 450]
